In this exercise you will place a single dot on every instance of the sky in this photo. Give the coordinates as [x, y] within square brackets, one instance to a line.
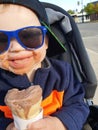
[69, 4]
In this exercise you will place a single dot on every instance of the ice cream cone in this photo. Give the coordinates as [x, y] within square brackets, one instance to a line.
[25, 103]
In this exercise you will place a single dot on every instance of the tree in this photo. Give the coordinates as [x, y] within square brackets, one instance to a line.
[90, 8]
[70, 11]
[96, 8]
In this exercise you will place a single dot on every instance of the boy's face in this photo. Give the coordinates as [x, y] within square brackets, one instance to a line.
[17, 59]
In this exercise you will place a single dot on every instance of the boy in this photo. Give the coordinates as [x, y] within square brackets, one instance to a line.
[23, 62]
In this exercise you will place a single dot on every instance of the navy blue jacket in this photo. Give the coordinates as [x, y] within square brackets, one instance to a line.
[58, 80]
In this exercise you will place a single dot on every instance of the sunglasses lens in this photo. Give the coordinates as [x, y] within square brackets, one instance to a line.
[3, 41]
[31, 37]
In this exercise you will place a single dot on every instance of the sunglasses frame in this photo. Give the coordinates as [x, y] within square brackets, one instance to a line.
[14, 34]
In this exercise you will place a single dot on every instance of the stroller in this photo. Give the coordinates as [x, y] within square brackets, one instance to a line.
[68, 46]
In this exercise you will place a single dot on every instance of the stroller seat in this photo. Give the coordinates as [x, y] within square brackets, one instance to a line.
[67, 45]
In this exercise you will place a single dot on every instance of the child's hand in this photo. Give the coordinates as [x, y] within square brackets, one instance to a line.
[47, 123]
[11, 127]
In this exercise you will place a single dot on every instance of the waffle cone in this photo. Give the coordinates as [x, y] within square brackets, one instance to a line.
[34, 110]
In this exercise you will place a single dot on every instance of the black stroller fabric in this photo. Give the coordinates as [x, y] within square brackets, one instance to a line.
[93, 117]
[65, 30]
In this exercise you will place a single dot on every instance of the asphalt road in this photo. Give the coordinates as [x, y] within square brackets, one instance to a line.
[89, 32]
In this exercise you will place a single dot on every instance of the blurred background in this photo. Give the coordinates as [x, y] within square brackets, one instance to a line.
[81, 10]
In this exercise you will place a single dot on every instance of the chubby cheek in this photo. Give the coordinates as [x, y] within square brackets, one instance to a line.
[38, 57]
[40, 54]
[4, 61]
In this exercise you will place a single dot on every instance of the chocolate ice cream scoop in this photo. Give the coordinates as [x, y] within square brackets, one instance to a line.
[24, 103]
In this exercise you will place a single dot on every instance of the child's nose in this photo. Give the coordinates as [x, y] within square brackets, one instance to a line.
[15, 46]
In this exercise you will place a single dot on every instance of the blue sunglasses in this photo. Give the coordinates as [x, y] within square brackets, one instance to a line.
[30, 38]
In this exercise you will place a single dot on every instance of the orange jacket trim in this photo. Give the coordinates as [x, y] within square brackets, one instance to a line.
[52, 102]
[7, 111]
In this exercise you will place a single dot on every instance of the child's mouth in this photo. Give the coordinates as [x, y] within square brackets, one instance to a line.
[20, 63]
